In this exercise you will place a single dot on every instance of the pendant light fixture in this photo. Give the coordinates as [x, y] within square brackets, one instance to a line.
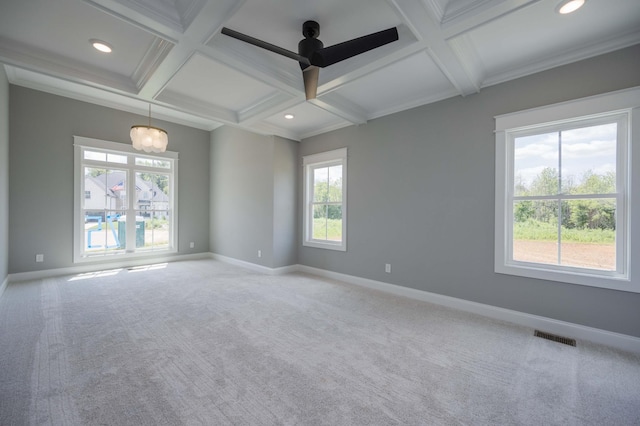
[148, 138]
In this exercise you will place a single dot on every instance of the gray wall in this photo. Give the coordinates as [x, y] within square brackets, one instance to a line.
[41, 174]
[421, 197]
[253, 197]
[4, 175]
[285, 219]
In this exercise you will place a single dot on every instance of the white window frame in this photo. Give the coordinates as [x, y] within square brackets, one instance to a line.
[311, 162]
[622, 103]
[80, 143]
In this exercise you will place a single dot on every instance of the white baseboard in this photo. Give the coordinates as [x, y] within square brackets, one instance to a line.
[576, 331]
[124, 263]
[550, 325]
[255, 267]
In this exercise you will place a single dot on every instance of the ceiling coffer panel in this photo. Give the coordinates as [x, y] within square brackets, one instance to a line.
[174, 54]
[212, 82]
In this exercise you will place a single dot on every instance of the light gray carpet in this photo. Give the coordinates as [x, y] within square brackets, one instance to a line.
[202, 342]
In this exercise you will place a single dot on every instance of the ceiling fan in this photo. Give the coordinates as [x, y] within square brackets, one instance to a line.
[312, 55]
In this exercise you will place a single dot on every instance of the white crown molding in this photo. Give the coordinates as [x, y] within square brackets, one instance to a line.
[267, 107]
[37, 60]
[564, 58]
[479, 13]
[152, 59]
[424, 100]
[417, 17]
[341, 107]
[197, 107]
[269, 129]
[121, 11]
[263, 65]
[325, 129]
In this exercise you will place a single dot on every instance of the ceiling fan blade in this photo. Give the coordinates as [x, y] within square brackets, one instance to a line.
[341, 51]
[310, 75]
[263, 44]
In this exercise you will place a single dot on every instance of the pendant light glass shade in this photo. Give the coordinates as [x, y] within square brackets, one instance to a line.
[148, 138]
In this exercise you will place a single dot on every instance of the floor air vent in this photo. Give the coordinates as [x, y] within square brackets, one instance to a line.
[555, 338]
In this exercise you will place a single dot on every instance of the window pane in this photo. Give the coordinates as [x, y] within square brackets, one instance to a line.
[102, 232]
[335, 184]
[149, 162]
[319, 230]
[96, 156]
[156, 230]
[108, 189]
[334, 223]
[589, 234]
[589, 159]
[320, 184]
[152, 191]
[115, 158]
[536, 160]
[535, 231]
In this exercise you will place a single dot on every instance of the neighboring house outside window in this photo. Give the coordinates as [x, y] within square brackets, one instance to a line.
[130, 209]
[563, 205]
[325, 200]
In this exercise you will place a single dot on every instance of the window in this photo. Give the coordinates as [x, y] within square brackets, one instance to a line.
[325, 200]
[563, 205]
[124, 201]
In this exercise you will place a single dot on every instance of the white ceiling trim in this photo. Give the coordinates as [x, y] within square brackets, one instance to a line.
[325, 129]
[479, 14]
[341, 107]
[269, 129]
[331, 80]
[199, 108]
[106, 98]
[566, 57]
[132, 17]
[417, 17]
[424, 100]
[268, 107]
[43, 62]
[151, 61]
[241, 56]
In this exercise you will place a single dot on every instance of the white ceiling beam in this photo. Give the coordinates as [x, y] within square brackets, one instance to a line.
[341, 107]
[267, 108]
[478, 14]
[426, 28]
[198, 108]
[12, 53]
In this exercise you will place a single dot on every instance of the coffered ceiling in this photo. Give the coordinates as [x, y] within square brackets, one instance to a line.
[171, 53]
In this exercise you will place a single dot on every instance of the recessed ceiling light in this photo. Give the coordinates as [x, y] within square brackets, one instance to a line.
[568, 6]
[100, 45]
[289, 116]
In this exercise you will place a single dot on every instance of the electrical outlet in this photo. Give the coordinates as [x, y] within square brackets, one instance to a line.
[259, 253]
[387, 268]
[39, 257]
[192, 244]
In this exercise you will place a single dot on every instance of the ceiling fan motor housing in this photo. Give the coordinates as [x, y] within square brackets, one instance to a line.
[310, 44]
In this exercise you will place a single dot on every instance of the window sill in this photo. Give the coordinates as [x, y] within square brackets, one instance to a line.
[325, 245]
[611, 281]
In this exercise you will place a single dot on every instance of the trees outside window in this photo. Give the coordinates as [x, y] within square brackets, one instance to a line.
[325, 200]
[563, 206]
